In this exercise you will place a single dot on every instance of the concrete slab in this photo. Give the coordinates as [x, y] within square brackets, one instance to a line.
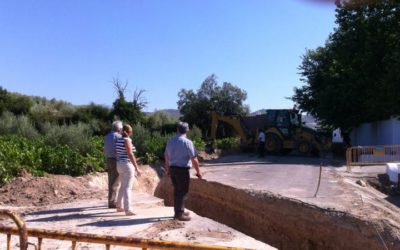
[153, 221]
[276, 199]
[293, 177]
[298, 177]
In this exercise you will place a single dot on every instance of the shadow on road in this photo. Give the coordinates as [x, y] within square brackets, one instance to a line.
[124, 222]
[252, 159]
[75, 216]
[66, 210]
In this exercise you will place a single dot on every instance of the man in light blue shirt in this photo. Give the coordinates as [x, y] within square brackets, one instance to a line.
[111, 164]
[180, 155]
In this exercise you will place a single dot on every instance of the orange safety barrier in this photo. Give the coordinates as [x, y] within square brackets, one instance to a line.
[21, 231]
[107, 240]
[372, 155]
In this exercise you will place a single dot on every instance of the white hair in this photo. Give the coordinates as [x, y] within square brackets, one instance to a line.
[117, 126]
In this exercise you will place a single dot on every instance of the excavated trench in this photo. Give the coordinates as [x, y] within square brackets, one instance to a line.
[279, 221]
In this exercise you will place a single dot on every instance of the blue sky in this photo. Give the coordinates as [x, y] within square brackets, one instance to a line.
[71, 50]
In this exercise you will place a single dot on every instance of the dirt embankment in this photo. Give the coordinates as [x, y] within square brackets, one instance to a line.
[29, 191]
[283, 222]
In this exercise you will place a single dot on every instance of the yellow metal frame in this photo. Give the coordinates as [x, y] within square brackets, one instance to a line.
[107, 240]
[20, 230]
[385, 154]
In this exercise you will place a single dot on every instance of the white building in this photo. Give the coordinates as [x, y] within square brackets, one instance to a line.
[386, 132]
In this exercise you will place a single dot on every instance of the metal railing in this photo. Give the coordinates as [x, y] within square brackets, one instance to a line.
[20, 230]
[106, 240]
[372, 155]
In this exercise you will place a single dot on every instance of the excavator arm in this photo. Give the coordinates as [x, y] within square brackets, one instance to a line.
[234, 121]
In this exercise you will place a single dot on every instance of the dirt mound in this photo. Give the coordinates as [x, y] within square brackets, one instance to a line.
[40, 191]
[28, 191]
[203, 156]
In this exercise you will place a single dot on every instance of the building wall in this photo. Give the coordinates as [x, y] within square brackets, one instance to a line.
[386, 132]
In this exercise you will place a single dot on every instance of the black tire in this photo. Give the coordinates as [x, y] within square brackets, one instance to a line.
[304, 148]
[273, 144]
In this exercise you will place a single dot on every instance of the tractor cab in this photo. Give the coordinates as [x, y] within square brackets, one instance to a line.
[285, 120]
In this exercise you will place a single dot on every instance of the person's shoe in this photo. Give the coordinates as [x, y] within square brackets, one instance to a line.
[112, 206]
[129, 212]
[120, 209]
[186, 213]
[182, 217]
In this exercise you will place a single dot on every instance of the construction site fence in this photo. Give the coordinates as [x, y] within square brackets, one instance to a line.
[372, 155]
[75, 238]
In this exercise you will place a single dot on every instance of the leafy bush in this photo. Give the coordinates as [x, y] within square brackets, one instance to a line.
[158, 120]
[37, 157]
[199, 144]
[149, 158]
[75, 136]
[16, 154]
[156, 145]
[42, 113]
[195, 133]
[7, 123]
[61, 159]
[17, 125]
[228, 143]
[25, 128]
[139, 137]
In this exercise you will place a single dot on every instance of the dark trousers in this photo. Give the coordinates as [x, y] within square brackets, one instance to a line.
[112, 181]
[180, 179]
[261, 149]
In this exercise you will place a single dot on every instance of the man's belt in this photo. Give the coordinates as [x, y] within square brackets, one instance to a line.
[186, 167]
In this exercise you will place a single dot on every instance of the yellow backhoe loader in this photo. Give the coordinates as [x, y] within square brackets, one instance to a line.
[283, 129]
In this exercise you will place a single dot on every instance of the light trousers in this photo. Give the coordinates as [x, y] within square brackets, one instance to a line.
[126, 173]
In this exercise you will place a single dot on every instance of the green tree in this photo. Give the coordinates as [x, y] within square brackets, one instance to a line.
[196, 106]
[129, 111]
[15, 103]
[355, 77]
[97, 116]
[3, 100]
[158, 120]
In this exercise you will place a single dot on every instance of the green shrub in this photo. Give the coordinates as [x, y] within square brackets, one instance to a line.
[75, 136]
[158, 120]
[228, 143]
[41, 112]
[195, 133]
[199, 144]
[37, 157]
[17, 125]
[139, 137]
[61, 159]
[95, 158]
[25, 128]
[149, 158]
[7, 123]
[17, 153]
[156, 145]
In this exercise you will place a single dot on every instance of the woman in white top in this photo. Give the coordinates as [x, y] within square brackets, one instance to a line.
[126, 167]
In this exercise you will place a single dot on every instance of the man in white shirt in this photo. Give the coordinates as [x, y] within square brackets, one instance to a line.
[261, 144]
